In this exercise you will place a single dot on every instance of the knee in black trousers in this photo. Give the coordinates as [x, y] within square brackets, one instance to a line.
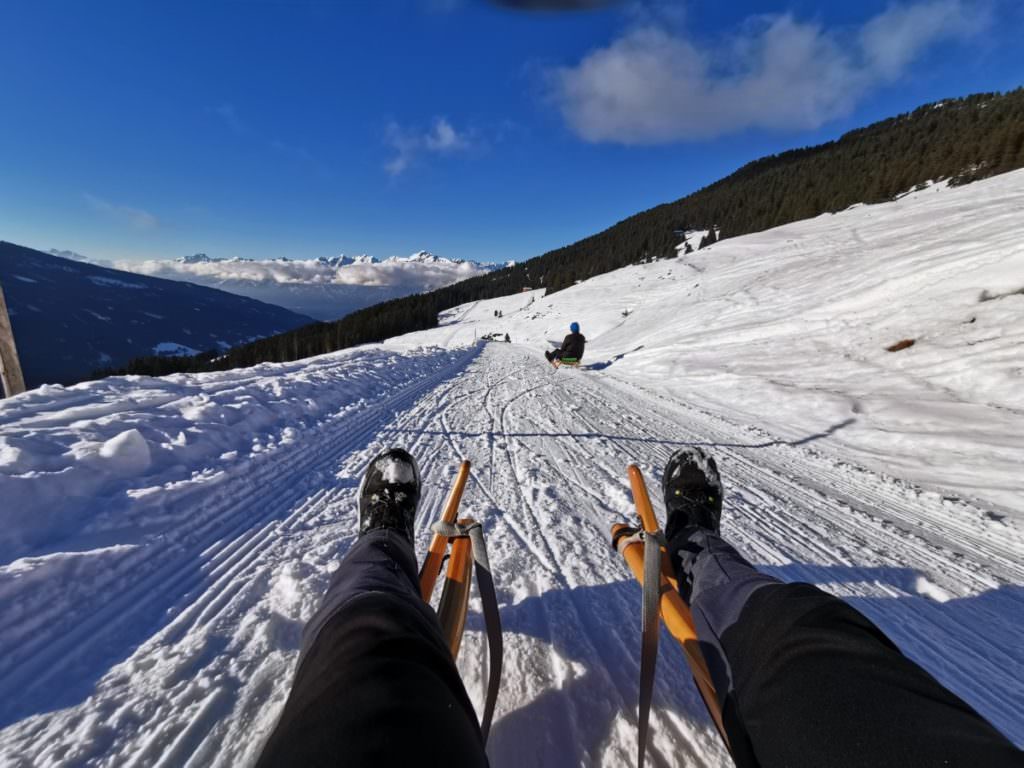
[805, 680]
[376, 684]
[815, 683]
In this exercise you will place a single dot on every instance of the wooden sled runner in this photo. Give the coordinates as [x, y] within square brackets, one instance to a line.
[647, 559]
[468, 553]
[566, 362]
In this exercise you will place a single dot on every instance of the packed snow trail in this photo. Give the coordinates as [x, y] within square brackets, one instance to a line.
[221, 604]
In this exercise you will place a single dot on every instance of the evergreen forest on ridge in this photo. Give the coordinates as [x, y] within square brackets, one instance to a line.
[959, 140]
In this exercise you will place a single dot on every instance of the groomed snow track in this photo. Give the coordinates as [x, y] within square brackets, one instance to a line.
[188, 656]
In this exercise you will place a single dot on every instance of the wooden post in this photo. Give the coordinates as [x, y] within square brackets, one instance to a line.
[10, 367]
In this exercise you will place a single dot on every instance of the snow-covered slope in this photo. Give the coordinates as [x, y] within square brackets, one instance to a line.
[325, 288]
[171, 536]
[788, 329]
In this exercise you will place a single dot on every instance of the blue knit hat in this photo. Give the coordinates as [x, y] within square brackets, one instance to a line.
[574, 327]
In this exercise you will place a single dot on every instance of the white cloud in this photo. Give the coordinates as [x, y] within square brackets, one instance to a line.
[325, 289]
[654, 86]
[420, 272]
[893, 39]
[442, 138]
[229, 115]
[134, 217]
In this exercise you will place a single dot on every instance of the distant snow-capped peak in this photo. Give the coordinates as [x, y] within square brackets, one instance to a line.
[341, 260]
[426, 257]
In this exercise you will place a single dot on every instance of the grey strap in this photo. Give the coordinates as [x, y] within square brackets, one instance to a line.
[452, 530]
[492, 623]
[489, 601]
[651, 628]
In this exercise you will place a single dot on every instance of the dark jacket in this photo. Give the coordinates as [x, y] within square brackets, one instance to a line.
[572, 345]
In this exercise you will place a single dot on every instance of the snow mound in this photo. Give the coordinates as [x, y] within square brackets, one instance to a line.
[126, 454]
[78, 460]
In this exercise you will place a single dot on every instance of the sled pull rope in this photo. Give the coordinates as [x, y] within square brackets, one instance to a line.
[489, 600]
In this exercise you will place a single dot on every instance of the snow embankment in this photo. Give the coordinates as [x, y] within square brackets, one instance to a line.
[789, 329]
[97, 460]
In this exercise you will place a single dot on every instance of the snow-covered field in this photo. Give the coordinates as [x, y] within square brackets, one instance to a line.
[788, 329]
[164, 540]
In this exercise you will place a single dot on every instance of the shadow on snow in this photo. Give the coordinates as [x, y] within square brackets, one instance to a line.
[969, 644]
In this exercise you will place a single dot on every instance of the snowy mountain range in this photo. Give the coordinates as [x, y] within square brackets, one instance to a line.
[71, 317]
[325, 288]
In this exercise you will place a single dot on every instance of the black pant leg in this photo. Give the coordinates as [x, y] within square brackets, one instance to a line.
[808, 681]
[376, 685]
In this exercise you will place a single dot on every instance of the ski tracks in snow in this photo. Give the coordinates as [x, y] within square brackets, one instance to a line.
[549, 452]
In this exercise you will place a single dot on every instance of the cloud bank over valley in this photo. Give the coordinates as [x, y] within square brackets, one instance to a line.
[324, 288]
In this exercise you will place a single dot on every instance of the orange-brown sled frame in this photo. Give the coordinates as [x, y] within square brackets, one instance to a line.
[675, 613]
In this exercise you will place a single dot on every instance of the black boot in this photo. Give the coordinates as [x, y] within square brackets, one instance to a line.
[692, 490]
[389, 493]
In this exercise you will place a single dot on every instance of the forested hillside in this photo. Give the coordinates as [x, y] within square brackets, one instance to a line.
[70, 317]
[959, 139]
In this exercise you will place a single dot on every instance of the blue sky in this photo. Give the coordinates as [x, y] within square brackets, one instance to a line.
[304, 128]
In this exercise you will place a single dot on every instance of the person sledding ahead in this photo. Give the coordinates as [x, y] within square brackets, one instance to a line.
[802, 679]
[571, 351]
